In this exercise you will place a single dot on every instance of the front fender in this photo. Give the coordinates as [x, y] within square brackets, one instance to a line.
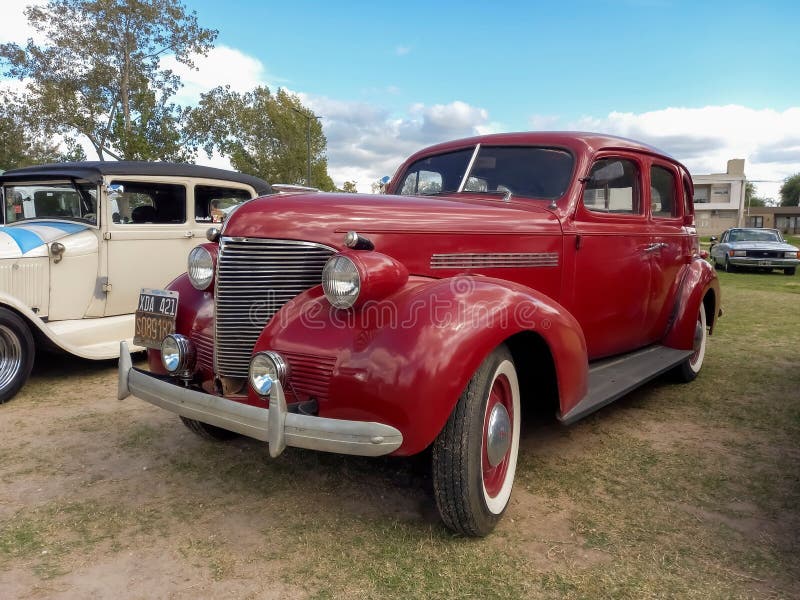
[405, 360]
[195, 319]
[699, 284]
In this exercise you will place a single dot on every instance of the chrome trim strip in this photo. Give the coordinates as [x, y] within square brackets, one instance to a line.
[274, 425]
[494, 260]
[469, 168]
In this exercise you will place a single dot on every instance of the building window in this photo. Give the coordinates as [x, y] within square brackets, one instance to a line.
[756, 221]
[721, 193]
[701, 194]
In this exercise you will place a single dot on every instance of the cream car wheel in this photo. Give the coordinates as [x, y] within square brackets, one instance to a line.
[16, 353]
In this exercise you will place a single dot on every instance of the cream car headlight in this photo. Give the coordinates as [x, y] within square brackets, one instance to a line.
[341, 281]
[177, 354]
[201, 267]
[265, 369]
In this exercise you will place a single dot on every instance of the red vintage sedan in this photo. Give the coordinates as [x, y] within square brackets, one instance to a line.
[498, 273]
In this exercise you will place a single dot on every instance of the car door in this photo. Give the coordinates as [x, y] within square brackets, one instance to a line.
[670, 245]
[611, 278]
[148, 236]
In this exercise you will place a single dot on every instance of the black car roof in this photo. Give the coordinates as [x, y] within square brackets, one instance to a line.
[95, 170]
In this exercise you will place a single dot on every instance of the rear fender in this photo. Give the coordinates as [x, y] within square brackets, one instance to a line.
[405, 360]
[699, 284]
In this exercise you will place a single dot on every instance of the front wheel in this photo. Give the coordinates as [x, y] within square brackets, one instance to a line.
[16, 353]
[790, 271]
[729, 268]
[474, 457]
[688, 370]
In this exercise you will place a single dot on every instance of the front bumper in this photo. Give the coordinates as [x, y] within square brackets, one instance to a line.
[275, 425]
[771, 263]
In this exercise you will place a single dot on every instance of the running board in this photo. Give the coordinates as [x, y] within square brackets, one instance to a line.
[614, 377]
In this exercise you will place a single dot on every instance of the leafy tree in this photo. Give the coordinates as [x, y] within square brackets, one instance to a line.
[790, 191]
[349, 187]
[98, 74]
[750, 198]
[19, 147]
[263, 134]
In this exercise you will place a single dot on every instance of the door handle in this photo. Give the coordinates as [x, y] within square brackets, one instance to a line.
[189, 234]
[655, 247]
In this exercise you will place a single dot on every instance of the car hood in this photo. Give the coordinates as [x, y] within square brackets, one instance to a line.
[414, 230]
[779, 246]
[31, 239]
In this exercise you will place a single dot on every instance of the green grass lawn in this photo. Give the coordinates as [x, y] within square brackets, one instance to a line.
[675, 491]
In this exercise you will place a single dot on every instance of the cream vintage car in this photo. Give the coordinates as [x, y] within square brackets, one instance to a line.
[80, 240]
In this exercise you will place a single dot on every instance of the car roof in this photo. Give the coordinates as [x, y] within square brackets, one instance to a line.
[95, 170]
[570, 139]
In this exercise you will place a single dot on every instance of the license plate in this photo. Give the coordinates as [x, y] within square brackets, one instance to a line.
[155, 317]
[763, 263]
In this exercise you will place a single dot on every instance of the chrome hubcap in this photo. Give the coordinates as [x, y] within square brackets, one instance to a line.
[10, 356]
[498, 435]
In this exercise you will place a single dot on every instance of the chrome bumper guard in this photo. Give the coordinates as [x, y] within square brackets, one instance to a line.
[275, 425]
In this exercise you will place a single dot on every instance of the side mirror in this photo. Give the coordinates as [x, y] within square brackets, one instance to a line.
[713, 238]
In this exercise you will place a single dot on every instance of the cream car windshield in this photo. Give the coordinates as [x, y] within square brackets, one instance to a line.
[62, 201]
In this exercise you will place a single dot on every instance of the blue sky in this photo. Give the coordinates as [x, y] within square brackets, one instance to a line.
[706, 81]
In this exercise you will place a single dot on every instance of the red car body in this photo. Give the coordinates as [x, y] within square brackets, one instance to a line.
[560, 282]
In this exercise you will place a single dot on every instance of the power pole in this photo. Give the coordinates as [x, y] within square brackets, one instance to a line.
[308, 117]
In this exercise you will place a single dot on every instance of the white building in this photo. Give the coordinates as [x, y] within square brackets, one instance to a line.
[719, 199]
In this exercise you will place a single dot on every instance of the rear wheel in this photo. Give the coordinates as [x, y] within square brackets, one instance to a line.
[16, 353]
[688, 370]
[474, 457]
[208, 432]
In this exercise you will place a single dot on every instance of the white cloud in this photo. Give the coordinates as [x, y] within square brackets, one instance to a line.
[366, 142]
[15, 26]
[222, 66]
[705, 138]
[402, 50]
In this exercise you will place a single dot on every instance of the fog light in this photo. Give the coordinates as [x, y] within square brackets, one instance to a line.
[177, 354]
[265, 369]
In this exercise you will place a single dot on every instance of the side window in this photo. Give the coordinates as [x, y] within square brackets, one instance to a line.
[662, 192]
[138, 202]
[213, 203]
[422, 182]
[613, 187]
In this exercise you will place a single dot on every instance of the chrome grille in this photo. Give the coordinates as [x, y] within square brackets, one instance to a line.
[255, 278]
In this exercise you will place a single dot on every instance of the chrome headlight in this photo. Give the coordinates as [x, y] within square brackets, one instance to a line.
[201, 268]
[341, 281]
[177, 354]
[790, 254]
[265, 369]
[738, 252]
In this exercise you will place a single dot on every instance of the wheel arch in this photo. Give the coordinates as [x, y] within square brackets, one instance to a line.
[699, 288]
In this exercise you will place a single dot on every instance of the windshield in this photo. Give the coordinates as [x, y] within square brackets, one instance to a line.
[754, 235]
[533, 172]
[74, 202]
